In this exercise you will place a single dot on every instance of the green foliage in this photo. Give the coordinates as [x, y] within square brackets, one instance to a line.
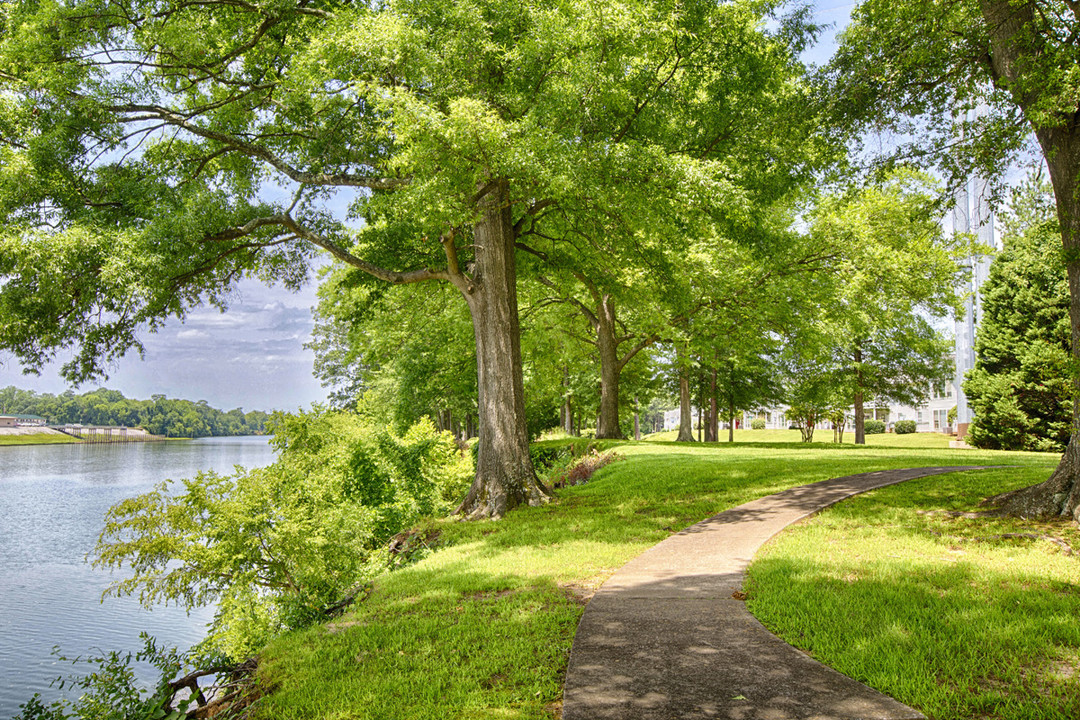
[873, 427]
[110, 691]
[757, 424]
[1020, 389]
[903, 427]
[275, 547]
[886, 235]
[158, 416]
[806, 416]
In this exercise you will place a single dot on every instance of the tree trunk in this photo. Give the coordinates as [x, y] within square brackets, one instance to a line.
[504, 473]
[607, 427]
[712, 430]
[1013, 55]
[860, 420]
[731, 422]
[568, 408]
[686, 422]
[637, 421]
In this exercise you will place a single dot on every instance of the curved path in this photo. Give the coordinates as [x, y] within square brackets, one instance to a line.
[665, 638]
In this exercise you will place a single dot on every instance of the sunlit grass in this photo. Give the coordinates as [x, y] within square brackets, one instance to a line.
[482, 627]
[36, 439]
[933, 608]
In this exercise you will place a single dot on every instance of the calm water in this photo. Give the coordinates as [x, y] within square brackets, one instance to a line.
[52, 504]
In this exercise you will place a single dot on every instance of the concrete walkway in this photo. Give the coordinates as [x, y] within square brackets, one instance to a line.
[665, 639]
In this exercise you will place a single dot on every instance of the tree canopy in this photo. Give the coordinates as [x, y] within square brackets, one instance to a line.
[155, 153]
[963, 85]
[1019, 387]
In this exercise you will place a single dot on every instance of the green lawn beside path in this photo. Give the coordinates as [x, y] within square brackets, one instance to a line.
[958, 616]
[482, 626]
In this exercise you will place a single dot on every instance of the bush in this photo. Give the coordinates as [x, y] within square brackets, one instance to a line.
[757, 424]
[580, 470]
[904, 427]
[275, 547]
[873, 427]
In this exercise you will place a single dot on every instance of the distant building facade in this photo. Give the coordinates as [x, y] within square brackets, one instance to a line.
[931, 416]
[21, 421]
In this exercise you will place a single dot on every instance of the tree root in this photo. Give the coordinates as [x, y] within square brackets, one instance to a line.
[233, 690]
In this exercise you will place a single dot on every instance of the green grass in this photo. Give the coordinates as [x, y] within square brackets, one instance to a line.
[931, 608]
[911, 440]
[37, 439]
[482, 627]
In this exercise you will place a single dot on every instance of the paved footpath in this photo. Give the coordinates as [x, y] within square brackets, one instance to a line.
[664, 638]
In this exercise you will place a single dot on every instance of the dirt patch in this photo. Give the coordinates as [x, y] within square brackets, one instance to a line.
[578, 594]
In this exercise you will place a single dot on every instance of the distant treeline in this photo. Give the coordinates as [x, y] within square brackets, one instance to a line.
[159, 415]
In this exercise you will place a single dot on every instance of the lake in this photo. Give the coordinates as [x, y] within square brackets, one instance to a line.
[53, 500]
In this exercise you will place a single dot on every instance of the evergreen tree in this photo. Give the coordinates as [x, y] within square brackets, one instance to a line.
[1019, 388]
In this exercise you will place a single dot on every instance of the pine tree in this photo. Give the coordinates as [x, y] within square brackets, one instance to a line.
[1020, 389]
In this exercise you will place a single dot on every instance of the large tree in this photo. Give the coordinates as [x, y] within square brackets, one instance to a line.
[892, 269]
[918, 67]
[153, 153]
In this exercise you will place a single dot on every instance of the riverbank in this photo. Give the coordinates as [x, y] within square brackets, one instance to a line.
[34, 436]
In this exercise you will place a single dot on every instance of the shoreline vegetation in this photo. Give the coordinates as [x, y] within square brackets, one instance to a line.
[160, 415]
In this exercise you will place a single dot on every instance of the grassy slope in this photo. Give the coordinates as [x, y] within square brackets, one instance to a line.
[930, 608]
[482, 627]
[37, 439]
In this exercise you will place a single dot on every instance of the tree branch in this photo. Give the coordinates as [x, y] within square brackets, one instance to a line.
[307, 178]
[391, 276]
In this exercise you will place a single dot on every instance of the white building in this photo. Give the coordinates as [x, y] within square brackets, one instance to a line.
[932, 416]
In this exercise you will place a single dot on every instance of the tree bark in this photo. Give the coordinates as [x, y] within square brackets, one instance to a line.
[637, 421]
[860, 419]
[686, 422]
[712, 430]
[1014, 46]
[504, 473]
[568, 408]
[731, 422]
[607, 427]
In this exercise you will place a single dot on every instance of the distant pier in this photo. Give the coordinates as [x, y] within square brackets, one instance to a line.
[107, 433]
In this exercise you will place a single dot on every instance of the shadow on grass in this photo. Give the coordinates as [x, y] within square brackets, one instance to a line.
[955, 642]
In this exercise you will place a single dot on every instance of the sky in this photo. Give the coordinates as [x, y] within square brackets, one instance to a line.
[253, 355]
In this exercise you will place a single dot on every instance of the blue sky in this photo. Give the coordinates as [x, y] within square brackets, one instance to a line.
[253, 356]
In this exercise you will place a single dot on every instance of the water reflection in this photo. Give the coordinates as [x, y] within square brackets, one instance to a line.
[53, 500]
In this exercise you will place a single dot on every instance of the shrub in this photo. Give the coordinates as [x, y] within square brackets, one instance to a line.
[275, 547]
[757, 424]
[873, 427]
[580, 470]
[904, 427]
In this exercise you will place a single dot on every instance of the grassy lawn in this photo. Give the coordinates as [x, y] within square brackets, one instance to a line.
[36, 439]
[482, 627]
[936, 610]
